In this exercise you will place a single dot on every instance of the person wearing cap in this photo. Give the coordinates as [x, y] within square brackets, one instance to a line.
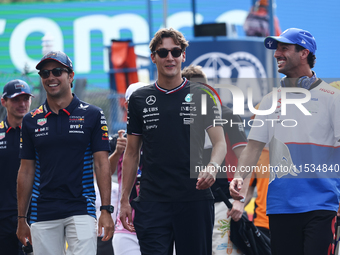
[124, 241]
[303, 190]
[63, 140]
[16, 98]
[175, 203]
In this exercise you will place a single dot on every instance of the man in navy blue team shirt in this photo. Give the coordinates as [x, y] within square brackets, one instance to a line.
[61, 142]
[175, 203]
[16, 98]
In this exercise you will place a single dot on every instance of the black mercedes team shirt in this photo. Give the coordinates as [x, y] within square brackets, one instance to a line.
[172, 125]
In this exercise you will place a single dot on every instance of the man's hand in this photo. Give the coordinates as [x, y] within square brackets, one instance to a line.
[205, 180]
[105, 221]
[237, 210]
[23, 231]
[126, 216]
[234, 188]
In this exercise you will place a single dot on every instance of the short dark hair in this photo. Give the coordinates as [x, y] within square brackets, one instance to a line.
[310, 58]
[177, 36]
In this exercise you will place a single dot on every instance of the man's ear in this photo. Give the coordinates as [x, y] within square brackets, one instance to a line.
[183, 59]
[3, 102]
[71, 75]
[304, 54]
[153, 58]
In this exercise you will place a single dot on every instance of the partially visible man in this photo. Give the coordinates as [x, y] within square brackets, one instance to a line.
[62, 140]
[167, 118]
[236, 140]
[16, 98]
[303, 191]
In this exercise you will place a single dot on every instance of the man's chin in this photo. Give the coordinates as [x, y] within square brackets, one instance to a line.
[281, 70]
[22, 114]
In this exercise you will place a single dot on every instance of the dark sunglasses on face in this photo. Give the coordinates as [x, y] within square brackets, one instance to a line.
[163, 53]
[55, 71]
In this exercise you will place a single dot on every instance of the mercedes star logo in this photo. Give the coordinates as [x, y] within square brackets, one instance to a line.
[150, 100]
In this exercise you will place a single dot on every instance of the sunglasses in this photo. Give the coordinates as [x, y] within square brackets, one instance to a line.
[55, 71]
[163, 53]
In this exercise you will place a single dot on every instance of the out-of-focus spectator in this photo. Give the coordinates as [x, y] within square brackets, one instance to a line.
[257, 21]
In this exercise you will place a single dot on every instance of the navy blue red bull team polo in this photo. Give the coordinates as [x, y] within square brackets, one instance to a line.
[10, 163]
[62, 146]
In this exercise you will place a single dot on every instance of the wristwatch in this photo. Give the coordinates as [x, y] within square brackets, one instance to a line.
[108, 208]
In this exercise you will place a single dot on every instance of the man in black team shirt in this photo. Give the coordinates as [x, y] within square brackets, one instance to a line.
[169, 118]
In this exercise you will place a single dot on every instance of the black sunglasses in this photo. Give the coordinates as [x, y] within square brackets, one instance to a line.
[163, 53]
[55, 71]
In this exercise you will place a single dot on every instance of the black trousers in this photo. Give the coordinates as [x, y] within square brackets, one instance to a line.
[309, 233]
[187, 224]
[104, 247]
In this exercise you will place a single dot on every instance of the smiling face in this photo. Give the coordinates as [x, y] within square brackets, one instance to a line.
[288, 60]
[169, 67]
[57, 87]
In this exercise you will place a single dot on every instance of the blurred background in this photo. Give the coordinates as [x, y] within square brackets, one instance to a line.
[108, 43]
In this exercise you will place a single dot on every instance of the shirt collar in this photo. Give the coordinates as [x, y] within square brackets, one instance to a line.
[68, 110]
[182, 85]
[7, 126]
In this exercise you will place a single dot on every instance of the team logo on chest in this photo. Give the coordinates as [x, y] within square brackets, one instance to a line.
[41, 122]
[37, 111]
[150, 100]
[76, 129]
[188, 109]
[76, 119]
[188, 98]
[2, 136]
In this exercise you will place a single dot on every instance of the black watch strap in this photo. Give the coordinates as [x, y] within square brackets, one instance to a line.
[108, 208]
